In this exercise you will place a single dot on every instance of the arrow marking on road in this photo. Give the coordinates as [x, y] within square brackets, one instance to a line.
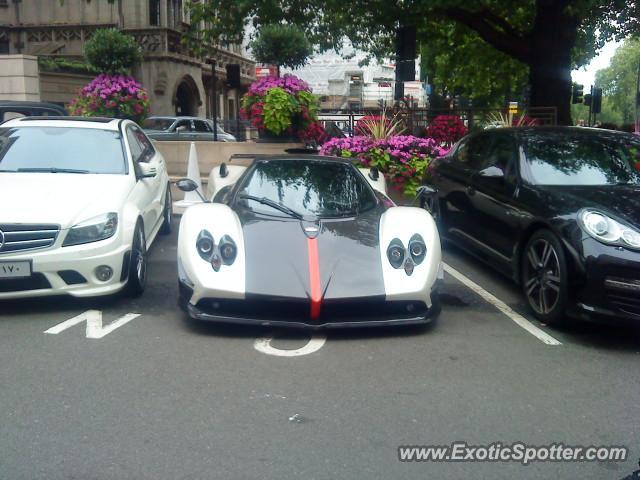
[95, 330]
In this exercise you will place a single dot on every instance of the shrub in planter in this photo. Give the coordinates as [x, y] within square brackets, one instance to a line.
[114, 96]
[403, 159]
[280, 106]
[447, 129]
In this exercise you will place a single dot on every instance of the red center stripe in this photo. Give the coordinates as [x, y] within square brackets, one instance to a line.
[314, 278]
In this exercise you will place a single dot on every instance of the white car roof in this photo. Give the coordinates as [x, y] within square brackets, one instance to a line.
[72, 122]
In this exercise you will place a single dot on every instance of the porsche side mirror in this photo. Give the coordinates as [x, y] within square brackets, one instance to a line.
[491, 172]
[426, 190]
[146, 171]
[186, 185]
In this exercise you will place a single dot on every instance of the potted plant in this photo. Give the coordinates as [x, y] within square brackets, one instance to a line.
[114, 93]
[281, 108]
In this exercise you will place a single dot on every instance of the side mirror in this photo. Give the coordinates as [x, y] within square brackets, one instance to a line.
[374, 174]
[187, 185]
[181, 128]
[146, 171]
[224, 171]
[491, 172]
[426, 190]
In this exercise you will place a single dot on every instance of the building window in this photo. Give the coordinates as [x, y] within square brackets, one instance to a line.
[175, 13]
[4, 47]
[154, 12]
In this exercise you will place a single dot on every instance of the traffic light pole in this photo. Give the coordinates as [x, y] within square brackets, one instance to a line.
[214, 100]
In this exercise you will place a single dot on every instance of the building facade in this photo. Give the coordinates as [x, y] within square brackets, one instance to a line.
[178, 81]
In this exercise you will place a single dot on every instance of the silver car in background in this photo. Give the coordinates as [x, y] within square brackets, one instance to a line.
[183, 129]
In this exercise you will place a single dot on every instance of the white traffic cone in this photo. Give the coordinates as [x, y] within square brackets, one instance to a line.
[193, 173]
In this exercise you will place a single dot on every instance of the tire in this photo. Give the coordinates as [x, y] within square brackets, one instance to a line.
[167, 213]
[544, 277]
[137, 264]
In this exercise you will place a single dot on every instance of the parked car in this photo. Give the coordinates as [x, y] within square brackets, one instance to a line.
[306, 241]
[82, 200]
[183, 128]
[10, 109]
[557, 209]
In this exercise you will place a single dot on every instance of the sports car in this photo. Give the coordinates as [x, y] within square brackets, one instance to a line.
[306, 241]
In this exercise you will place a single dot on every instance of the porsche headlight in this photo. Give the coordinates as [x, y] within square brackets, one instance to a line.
[607, 230]
[92, 230]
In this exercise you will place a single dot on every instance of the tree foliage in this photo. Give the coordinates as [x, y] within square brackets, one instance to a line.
[111, 51]
[282, 45]
[548, 36]
[619, 80]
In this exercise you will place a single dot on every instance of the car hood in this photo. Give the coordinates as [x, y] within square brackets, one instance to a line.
[60, 198]
[278, 257]
[622, 201]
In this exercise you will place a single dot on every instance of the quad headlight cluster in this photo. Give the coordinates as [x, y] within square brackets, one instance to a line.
[224, 253]
[407, 258]
[607, 230]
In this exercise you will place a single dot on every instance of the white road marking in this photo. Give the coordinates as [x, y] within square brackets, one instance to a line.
[503, 307]
[94, 324]
[316, 342]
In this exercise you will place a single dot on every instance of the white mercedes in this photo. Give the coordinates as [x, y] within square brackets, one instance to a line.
[81, 200]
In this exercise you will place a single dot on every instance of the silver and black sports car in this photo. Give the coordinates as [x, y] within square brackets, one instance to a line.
[306, 241]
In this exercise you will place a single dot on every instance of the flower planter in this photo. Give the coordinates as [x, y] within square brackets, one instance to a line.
[265, 136]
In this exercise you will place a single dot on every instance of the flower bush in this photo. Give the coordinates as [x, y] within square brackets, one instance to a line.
[447, 129]
[280, 105]
[403, 159]
[114, 96]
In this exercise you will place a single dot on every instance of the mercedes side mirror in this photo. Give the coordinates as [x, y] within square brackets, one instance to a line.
[491, 172]
[146, 171]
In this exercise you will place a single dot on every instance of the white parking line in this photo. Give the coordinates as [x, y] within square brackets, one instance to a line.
[503, 307]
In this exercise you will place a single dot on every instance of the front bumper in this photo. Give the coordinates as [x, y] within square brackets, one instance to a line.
[372, 312]
[610, 288]
[69, 271]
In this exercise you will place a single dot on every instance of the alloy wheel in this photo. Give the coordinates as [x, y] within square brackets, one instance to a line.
[542, 276]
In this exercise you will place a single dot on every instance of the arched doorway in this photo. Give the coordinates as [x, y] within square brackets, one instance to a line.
[187, 97]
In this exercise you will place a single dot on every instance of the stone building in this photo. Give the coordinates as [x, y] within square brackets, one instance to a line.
[178, 82]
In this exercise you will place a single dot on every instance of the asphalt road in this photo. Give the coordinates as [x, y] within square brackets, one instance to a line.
[162, 397]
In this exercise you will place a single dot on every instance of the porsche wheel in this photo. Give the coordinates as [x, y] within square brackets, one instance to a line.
[544, 277]
[137, 264]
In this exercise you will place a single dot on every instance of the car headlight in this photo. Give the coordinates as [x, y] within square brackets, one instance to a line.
[92, 230]
[607, 230]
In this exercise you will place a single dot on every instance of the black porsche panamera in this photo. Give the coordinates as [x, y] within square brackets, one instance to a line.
[555, 208]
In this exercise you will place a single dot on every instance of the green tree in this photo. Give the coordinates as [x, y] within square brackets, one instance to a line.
[111, 51]
[548, 36]
[281, 45]
[457, 61]
[619, 80]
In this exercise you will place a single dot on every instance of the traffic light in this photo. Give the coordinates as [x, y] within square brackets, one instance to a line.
[596, 100]
[588, 99]
[578, 93]
[381, 104]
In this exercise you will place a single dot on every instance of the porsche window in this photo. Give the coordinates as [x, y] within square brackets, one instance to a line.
[317, 189]
[576, 158]
[61, 149]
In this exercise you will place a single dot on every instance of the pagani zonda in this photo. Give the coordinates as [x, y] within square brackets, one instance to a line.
[306, 241]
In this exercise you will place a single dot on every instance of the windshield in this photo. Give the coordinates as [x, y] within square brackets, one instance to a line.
[42, 149]
[583, 158]
[157, 123]
[309, 188]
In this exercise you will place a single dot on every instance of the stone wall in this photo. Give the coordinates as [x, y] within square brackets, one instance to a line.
[19, 78]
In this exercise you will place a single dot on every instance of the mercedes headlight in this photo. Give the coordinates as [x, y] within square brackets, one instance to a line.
[92, 230]
[607, 230]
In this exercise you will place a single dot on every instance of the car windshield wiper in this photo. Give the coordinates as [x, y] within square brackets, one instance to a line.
[272, 204]
[51, 170]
